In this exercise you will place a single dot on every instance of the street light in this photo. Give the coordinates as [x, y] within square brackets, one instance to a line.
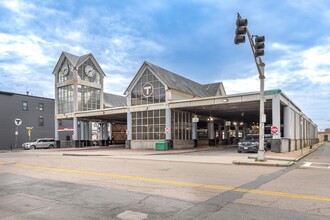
[257, 50]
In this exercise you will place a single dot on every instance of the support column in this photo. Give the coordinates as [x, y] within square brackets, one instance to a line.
[245, 132]
[300, 133]
[104, 133]
[56, 130]
[194, 133]
[210, 131]
[297, 124]
[226, 134]
[75, 132]
[90, 130]
[105, 130]
[57, 139]
[276, 112]
[82, 130]
[86, 133]
[168, 120]
[236, 133]
[129, 130]
[287, 122]
[110, 132]
[276, 145]
[220, 133]
[287, 125]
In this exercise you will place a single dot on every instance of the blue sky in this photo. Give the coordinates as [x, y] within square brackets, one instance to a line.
[193, 38]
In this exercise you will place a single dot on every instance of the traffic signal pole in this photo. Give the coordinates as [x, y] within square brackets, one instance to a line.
[257, 50]
[262, 118]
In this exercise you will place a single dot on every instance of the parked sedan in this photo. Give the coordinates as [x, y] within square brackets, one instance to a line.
[250, 143]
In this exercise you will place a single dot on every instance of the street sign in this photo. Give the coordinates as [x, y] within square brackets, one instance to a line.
[167, 130]
[272, 92]
[18, 121]
[195, 118]
[274, 130]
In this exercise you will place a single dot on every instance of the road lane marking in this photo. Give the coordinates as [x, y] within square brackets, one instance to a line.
[316, 165]
[179, 183]
[307, 164]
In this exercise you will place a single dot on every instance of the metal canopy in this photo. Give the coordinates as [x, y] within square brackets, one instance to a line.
[247, 112]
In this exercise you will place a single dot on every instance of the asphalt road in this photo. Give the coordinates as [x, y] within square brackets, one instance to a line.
[46, 185]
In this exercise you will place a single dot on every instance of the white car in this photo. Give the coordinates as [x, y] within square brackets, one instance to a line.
[39, 143]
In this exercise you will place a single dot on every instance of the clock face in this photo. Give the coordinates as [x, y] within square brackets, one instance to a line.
[65, 69]
[89, 71]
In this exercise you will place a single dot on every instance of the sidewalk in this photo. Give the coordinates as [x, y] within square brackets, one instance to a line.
[209, 155]
[279, 159]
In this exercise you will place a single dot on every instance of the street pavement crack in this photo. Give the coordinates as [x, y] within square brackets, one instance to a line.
[204, 209]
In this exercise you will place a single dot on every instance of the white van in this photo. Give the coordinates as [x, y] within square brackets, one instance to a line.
[39, 143]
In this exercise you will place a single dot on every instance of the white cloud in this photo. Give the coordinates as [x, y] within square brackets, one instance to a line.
[280, 46]
[28, 48]
[303, 67]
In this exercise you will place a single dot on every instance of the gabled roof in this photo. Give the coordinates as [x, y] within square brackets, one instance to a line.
[77, 61]
[73, 59]
[180, 83]
[215, 89]
[112, 100]
[175, 81]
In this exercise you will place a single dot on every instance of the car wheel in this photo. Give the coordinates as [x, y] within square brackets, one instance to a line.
[239, 151]
[50, 146]
[33, 147]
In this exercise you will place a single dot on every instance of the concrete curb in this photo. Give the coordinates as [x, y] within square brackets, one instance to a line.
[275, 158]
[263, 163]
[308, 153]
[87, 155]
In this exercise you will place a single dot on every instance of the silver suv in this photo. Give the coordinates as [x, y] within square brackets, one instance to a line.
[39, 143]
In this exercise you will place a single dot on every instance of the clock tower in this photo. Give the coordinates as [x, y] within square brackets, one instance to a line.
[78, 87]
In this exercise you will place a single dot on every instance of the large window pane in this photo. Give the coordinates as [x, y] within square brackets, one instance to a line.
[158, 94]
[148, 126]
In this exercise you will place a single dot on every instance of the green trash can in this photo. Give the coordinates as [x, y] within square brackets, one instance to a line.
[162, 145]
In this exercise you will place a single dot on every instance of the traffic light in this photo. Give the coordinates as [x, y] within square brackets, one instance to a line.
[259, 46]
[241, 29]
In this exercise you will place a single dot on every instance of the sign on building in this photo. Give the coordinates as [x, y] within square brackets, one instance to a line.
[147, 89]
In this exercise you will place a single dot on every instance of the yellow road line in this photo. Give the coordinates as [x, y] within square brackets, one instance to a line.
[179, 183]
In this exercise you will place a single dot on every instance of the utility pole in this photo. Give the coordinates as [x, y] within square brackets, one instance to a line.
[258, 50]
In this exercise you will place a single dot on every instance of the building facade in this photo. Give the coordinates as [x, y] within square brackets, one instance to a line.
[324, 135]
[35, 113]
[160, 105]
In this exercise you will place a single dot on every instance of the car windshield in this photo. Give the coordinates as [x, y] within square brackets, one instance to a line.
[251, 138]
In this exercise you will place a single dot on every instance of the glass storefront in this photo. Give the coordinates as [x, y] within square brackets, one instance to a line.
[181, 125]
[148, 125]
